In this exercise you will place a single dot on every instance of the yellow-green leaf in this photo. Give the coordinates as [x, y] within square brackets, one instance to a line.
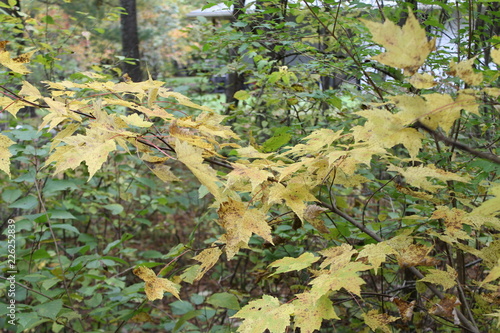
[264, 314]
[447, 278]
[5, 154]
[241, 95]
[288, 264]
[376, 253]
[378, 321]
[309, 311]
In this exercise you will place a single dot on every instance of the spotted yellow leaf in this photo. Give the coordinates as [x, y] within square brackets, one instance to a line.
[264, 314]
[309, 311]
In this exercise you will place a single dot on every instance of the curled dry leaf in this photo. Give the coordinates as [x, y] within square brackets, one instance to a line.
[155, 286]
[405, 308]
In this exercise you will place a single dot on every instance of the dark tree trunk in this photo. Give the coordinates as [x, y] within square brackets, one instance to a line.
[235, 80]
[15, 12]
[130, 40]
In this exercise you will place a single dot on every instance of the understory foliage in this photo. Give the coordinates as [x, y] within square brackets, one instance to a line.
[390, 223]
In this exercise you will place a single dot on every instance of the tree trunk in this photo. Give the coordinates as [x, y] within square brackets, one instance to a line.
[130, 40]
[235, 80]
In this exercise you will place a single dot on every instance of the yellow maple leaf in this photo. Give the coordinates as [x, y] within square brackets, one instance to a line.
[376, 253]
[191, 136]
[388, 130]
[378, 321]
[491, 206]
[465, 71]
[346, 277]
[251, 152]
[418, 176]
[12, 105]
[495, 55]
[264, 314]
[422, 81]
[337, 257]
[209, 123]
[407, 47]
[92, 148]
[247, 173]
[181, 99]
[29, 90]
[309, 311]
[288, 264]
[295, 195]
[193, 159]
[447, 278]
[436, 110]
[208, 258]
[58, 112]
[315, 142]
[240, 222]
[67, 131]
[135, 120]
[17, 64]
[155, 286]
[5, 154]
[162, 171]
[155, 111]
[415, 255]
[453, 219]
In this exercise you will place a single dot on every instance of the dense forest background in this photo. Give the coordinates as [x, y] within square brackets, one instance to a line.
[269, 166]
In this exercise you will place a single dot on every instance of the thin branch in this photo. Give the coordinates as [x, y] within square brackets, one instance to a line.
[450, 142]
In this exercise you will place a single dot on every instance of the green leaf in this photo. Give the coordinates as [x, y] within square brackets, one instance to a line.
[95, 301]
[241, 95]
[60, 214]
[49, 309]
[115, 209]
[40, 254]
[28, 202]
[278, 140]
[151, 254]
[67, 227]
[182, 320]
[121, 261]
[181, 307]
[28, 320]
[11, 195]
[48, 19]
[57, 185]
[224, 300]
[111, 245]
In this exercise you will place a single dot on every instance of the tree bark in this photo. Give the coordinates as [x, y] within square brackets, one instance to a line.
[130, 40]
[235, 80]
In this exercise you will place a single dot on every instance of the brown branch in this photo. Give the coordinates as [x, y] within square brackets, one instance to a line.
[450, 142]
